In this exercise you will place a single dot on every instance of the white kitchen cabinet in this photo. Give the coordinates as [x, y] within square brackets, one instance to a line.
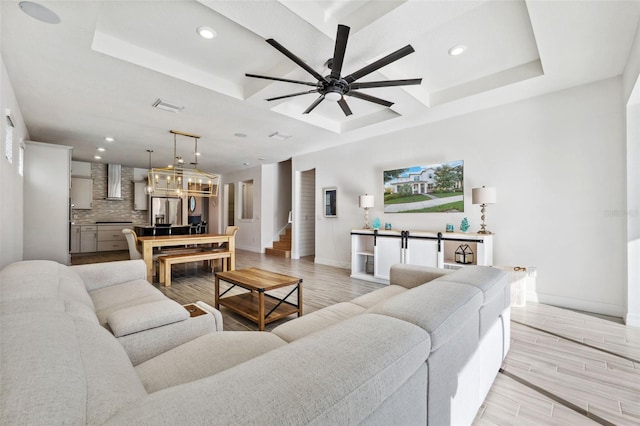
[80, 169]
[140, 197]
[110, 237]
[82, 193]
[47, 169]
[74, 246]
[382, 249]
[89, 239]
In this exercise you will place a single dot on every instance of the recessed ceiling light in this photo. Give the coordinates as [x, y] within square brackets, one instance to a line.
[39, 12]
[109, 139]
[457, 50]
[206, 32]
[97, 157]
[246, 164]
[261, 158]
[101, 149]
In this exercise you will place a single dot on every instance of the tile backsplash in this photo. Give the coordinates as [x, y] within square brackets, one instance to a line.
[109, 210]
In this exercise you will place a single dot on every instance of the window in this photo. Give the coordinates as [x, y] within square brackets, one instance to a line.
[8, 138]
[247, 199]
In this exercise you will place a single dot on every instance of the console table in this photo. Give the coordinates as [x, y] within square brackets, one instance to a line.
[374, 251]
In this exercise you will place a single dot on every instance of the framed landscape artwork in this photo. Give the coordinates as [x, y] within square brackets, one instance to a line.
[436, 188]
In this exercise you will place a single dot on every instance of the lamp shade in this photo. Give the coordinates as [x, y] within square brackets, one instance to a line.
[483, 195]
[365, 201]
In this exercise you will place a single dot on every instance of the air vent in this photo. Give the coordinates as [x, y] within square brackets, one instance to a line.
[167, 106]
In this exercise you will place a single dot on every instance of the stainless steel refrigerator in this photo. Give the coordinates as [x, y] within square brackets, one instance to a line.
[166, 210]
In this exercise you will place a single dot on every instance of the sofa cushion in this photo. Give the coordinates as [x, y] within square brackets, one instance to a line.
[146, 316]
[115, 297]
[371, 299]
[204, 356]
[57, 369]
[491, 281]
[439, 307]
[337, 376]
[318, 320]
[42, 279]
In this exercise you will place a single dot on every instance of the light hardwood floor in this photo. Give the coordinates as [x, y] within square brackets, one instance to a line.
[564, 367]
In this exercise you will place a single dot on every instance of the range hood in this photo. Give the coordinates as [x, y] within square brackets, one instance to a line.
[114, 182]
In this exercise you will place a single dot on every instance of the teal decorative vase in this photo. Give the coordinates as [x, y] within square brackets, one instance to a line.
[464, 225]
[376, 223]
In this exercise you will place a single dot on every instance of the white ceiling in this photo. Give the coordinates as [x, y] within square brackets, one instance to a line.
[99, 71]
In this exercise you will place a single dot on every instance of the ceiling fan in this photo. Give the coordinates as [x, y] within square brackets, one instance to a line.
[335, 87]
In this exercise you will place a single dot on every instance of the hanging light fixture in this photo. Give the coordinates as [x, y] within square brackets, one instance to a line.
[176, 180]
[149, 188]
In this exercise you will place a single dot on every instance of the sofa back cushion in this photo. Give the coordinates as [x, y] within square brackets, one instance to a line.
[42, 279]
[339, 375]
[441, 308]
[61, 369]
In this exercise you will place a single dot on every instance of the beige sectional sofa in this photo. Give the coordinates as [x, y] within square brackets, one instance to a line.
[423, 350]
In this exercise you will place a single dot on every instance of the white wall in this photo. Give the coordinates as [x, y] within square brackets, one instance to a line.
[558, 163]
[631, 94]
[11, 189]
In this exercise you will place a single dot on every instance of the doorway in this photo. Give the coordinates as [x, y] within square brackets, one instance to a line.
[305, 214]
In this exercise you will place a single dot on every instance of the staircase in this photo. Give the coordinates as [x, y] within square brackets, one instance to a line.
[282, 247]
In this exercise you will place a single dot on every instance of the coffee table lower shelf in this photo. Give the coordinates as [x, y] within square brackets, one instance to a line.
[246, 305]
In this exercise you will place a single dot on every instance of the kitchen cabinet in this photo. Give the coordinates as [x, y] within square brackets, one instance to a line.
[88, 239]
[47, 169]
[82, 193]
[80, 169]
[374, 252]
[110, 237]
[74, 245]
[140, 197]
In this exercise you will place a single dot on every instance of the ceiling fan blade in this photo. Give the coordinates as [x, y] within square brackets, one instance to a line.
[388, 83]
[392, 57]
[345, 107]
[341, 47]
[291, 95]
[314, 104]
[369, 98]
[295, 59]
[286, 80]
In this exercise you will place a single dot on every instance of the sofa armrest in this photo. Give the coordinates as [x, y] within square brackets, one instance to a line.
[99, 275]
[410, 276]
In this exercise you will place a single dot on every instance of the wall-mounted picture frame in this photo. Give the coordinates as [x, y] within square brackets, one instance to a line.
[435, 188]
[192, 203]
[330, 197]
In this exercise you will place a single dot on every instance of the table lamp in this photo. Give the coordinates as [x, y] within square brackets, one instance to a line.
[483, 196]
[366, 202]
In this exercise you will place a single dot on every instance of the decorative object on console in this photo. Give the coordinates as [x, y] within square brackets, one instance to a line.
[464, 254]
[376, 223]
[176, 180]
[387, 226]
[435, 188]
[464, 225]
[366, 202]
[483, 196]
[449, 227]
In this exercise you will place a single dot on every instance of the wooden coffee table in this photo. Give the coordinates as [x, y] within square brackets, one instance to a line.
[253, 304]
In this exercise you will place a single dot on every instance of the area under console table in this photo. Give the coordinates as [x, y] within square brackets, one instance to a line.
[374, 251]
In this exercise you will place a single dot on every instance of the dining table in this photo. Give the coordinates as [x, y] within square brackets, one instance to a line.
[147, 244]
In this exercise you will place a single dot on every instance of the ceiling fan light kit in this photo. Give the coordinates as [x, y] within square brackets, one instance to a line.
[334, 87]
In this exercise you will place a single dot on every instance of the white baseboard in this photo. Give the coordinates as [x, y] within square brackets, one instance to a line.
[332, 262]
[249, 248]
[632, 320]
[580, 305]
